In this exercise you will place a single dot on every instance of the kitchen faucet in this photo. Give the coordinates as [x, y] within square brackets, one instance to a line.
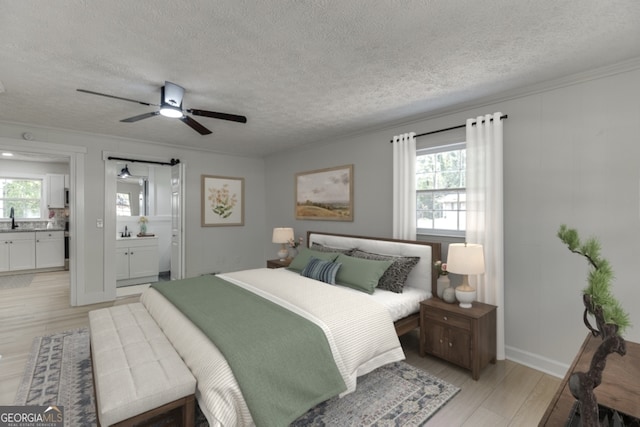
[13, 219]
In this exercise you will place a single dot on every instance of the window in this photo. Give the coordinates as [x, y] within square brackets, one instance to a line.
[24, 195]
[123, 204]
[441, 190]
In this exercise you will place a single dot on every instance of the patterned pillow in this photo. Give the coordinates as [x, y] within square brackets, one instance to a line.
[322, 248]
[324, 271]
[396, 275]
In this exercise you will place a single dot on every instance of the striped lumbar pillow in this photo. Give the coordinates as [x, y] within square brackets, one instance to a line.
[318, 269]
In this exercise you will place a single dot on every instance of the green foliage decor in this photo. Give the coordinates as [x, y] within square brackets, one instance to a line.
[599, 279]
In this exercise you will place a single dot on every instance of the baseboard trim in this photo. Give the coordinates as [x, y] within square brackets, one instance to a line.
[536, 361]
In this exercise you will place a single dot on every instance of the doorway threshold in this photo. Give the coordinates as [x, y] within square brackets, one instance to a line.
[127, 291]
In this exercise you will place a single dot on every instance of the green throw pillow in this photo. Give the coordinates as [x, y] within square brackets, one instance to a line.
[359, 273]
[304, 256]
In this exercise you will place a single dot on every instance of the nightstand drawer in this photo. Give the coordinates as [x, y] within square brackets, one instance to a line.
[448, 318]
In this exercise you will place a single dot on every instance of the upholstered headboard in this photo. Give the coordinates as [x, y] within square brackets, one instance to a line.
[422, 275]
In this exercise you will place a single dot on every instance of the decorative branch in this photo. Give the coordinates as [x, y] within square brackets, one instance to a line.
[610, 319]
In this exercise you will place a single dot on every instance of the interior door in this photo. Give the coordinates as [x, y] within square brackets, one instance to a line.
[177, 243]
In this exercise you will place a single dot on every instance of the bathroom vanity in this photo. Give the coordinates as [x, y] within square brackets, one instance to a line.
[137, 260]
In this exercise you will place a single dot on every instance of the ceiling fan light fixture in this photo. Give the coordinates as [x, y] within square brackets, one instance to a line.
[171, 97]
[171, 111]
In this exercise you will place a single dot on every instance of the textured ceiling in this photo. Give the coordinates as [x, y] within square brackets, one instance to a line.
[301, 71]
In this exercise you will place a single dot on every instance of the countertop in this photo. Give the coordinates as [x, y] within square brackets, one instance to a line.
[135, 237]
[25, 230]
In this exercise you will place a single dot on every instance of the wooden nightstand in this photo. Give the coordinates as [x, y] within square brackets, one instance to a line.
[464, 336]
[276, 263]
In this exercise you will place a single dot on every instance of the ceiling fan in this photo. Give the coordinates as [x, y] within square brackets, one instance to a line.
[171, 96]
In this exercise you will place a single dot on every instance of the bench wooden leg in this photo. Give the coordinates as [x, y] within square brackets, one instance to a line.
[189, 411]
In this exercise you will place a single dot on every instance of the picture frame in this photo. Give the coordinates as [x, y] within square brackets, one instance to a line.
[222, 201]
[325, 194]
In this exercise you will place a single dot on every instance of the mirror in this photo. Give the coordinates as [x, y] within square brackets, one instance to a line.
[132, 192]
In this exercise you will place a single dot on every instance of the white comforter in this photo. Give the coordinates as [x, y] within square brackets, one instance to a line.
[360, 333]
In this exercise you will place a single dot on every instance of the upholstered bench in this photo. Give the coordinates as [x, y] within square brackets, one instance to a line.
[138, 375]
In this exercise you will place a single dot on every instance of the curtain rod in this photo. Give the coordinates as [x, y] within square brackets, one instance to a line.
[451, 128]
[172, 163]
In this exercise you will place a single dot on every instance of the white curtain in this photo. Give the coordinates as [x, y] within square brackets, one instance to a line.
[485, 211]
[404, 186]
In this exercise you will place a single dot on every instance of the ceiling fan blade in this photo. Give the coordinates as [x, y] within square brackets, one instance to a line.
[116, 97]
[222, 116]
[195, 125]
[140, 117]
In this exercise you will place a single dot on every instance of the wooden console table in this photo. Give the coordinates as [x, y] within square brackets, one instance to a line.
[619, 389]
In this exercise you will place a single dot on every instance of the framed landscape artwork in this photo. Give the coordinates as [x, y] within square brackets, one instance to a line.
[222, 201]
[325, 194]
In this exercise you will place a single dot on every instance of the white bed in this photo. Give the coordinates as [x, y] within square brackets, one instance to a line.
[360, 340]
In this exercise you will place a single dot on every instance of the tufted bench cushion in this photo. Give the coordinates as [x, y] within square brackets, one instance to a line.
[136, 369]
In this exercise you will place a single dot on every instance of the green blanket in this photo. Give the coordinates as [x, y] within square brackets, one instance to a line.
[282, 362]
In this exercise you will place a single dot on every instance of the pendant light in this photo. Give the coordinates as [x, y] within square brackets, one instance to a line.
[124, 173]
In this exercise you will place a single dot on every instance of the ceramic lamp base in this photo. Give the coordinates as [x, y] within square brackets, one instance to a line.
[283, 254]
[465, 297]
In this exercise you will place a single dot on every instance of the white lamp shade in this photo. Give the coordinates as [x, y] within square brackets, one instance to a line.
[282, 235]
[465, 258]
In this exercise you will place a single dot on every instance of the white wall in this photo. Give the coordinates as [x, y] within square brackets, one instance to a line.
[160, 191]
[207, 248]
[571, 156]
[21, 167]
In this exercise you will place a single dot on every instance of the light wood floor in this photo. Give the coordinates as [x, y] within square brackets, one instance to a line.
[507, 394]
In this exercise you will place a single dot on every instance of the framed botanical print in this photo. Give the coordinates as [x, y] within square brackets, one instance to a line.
[325, 194]
[222, 201]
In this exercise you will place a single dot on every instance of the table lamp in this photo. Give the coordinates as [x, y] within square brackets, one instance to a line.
[465, 259]
[282, 235]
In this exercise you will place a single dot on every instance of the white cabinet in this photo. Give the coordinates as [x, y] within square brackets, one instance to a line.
[4, 255]
[49, 249]
[28, 250]
[55, 190]
[18, 251]
[137, 260]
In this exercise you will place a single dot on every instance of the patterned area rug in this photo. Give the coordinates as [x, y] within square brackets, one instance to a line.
[16, 281]
[59, 372]
[394, 395]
